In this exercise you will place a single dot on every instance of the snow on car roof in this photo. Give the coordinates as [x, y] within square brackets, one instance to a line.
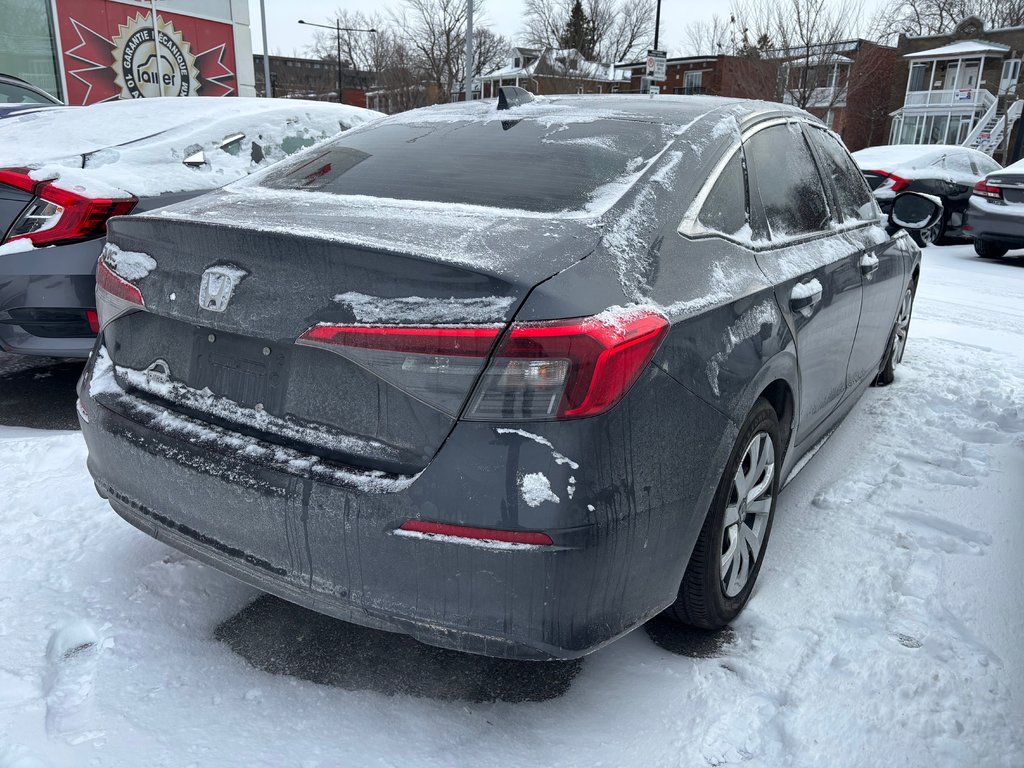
[136, 147]
[59, 133]
[910, 155]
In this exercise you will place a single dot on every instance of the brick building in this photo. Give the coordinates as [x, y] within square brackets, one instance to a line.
[312, 79]
[553, 70]
[961, 88]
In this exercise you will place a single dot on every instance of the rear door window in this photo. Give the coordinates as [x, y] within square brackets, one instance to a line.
[789, 188]
[853, 197]
[725, 209]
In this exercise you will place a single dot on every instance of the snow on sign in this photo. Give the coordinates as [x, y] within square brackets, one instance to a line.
[656, 61]
[108, 53]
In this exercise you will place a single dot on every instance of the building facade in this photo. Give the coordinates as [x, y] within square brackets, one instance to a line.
[962, 88]
[295, 78]
[735, 76]
[553, 70]
[87, 51]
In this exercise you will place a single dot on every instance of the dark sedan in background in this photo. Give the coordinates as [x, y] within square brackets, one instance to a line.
[64, 172]
[19, 96]
[512, 379]
[948, 172]
[995, 218]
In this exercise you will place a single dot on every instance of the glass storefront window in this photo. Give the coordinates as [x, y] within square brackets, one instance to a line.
[27, 45]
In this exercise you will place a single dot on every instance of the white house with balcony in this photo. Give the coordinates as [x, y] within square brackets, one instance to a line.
[963, 91]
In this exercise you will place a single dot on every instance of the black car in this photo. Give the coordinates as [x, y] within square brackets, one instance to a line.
[995, 218]
[509, 380]
[19, 96]
[949, 172]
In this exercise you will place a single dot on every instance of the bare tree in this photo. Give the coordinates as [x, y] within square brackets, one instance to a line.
[932, 17]
[622, 28]
[710, 37]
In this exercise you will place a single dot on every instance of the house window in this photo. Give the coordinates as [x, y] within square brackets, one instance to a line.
[918, 77]
[692, 83]
[579, 89]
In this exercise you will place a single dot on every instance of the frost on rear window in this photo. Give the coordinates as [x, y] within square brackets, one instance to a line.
[517, 164]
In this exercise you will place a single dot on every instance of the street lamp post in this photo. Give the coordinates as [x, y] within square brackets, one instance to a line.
[338, 29]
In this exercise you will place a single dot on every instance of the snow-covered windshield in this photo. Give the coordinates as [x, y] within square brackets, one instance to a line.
[527, 164]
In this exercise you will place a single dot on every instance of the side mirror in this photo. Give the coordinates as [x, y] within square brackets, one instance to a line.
[195, 157]
[914, 211]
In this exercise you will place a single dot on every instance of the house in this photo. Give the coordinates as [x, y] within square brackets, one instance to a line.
[961, 88]
[838, 82]
[553, 70]
[737, 76]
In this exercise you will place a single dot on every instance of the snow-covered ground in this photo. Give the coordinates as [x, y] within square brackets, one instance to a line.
[886, 628]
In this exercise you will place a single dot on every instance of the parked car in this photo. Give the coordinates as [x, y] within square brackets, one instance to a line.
[995, 217]
[947, 171]
[64, 172]
[18, 96]
[509, 380]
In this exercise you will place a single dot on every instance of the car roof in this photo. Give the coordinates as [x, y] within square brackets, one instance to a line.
[664, 108]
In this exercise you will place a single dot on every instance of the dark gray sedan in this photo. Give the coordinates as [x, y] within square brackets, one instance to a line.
[509, 380]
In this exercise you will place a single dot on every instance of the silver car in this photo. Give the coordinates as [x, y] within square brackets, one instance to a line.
[995, 216]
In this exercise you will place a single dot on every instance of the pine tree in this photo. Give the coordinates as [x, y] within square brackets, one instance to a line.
[579, 33]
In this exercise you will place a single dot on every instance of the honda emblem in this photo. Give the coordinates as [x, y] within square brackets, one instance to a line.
[217, 286]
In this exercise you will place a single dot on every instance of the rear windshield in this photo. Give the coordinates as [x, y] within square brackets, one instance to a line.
[525, 164]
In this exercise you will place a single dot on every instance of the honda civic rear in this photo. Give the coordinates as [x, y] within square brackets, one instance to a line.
[366, 404]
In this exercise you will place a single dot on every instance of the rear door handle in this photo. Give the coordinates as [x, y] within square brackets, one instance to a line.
[868, 264]
[805, 295]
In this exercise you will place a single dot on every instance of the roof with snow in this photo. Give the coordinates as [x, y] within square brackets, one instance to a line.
[558, 62]
[960, 49]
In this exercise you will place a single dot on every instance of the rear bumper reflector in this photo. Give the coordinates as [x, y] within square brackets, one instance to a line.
[482, 534]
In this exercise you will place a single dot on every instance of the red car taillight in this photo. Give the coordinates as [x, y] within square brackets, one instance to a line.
[898, 183]
[57, 215]
[115, 296]
[538, 371]
[984, 189]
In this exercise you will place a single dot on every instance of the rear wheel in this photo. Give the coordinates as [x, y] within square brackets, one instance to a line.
[989, 250]
[897, 340]
[730, 549]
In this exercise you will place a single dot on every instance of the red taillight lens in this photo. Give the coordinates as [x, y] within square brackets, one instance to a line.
[115, 296]
[539, 371]
[481, 534]
[565, 370]
[435, 365]
[896, 183]
[94, 320]
[984, 189]
[58, 215]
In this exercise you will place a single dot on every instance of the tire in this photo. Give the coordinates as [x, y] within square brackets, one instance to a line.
[716, 586]
[932, 235]
[897, 340]
[989, 250]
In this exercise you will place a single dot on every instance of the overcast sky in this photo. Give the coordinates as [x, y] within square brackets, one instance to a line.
[288, 38]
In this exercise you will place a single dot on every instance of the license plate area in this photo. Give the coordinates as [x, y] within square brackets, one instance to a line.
[1013, 195]
[250, 372]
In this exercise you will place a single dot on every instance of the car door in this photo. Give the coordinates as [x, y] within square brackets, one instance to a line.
[813, 266]
[879, 257]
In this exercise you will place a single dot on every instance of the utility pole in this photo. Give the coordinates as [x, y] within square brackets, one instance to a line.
[266, 52]
[657, 23]
[338, 29]
[156, 50]
[469, 50]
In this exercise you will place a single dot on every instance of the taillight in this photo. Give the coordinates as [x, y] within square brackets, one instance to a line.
[58, 215]
[539, 371]
[892, 181]
[984, 189]
[115, 296]
[566, 370]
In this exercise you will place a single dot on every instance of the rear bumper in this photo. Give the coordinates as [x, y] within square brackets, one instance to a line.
[623, 527]
[998, 223]
[58, 278]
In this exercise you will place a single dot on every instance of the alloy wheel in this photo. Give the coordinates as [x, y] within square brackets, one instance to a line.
[746, 515]
[902, 327]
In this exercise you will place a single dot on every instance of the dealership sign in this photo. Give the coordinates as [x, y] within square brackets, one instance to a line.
[110, 51]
